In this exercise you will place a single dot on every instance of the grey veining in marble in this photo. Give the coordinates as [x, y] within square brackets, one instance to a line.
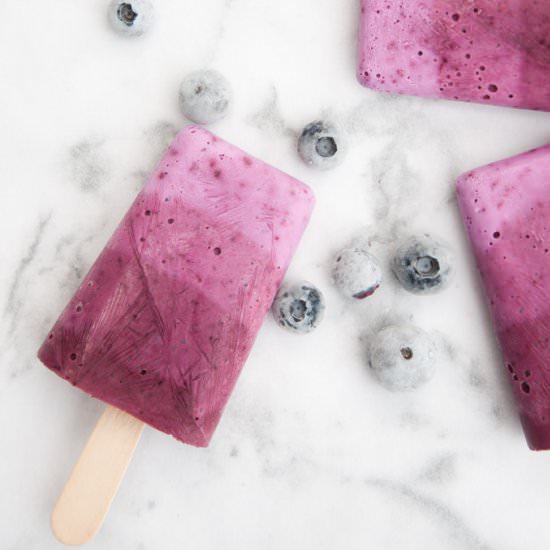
[311, 453]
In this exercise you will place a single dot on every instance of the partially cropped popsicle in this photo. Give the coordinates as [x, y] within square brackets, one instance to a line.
[487, 51]
[164, 320]
[506, 211]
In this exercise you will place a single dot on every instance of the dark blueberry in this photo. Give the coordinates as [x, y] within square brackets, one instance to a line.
[205, 96]
[423, 265]
[131, 18]
[299, 307]
[356, 273]
[126, 14]
[402, 357]
[321, 145]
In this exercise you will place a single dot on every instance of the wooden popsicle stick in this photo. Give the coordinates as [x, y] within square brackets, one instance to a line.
[94, 481]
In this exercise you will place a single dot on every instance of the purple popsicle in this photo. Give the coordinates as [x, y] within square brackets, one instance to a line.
[486, 51]
[166, 317]
[506, 212]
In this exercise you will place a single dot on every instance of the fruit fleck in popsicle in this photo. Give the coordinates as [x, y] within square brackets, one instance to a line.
[166, 317]
[506, 212]
[485, 51]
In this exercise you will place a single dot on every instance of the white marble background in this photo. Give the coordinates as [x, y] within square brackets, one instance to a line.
[312, 453]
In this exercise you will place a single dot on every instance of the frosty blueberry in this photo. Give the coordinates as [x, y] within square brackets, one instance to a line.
[205, 96]
[402, 357]
[321, 145]
[299, 307]
[356, 273]
[131, 18]
[423, 265]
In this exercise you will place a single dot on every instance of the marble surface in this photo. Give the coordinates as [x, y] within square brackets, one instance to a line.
[311, 453]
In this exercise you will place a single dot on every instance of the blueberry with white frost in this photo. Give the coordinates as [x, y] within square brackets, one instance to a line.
[131, 18]
[205, 96]
[298, 307]
[356, 273]
[402, 357]
[321, 145]
[423, 265]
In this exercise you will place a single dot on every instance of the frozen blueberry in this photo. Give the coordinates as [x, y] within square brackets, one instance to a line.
[131, 18]
[423, 265]
[205, 96]
[321, 145]
[299, 307]
[402, 357]
[356, 273]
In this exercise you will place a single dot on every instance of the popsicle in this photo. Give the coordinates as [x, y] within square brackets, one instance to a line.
[506, 211]
[486, 51]
[166, 317]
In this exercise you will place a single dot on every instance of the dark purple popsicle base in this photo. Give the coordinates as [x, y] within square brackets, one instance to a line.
[146, 341]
